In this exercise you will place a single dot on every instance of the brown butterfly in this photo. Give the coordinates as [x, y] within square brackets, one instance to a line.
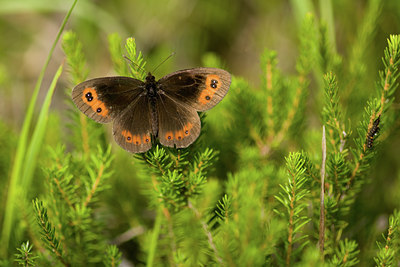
[165, 109]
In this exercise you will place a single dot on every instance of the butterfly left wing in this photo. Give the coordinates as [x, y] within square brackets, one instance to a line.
[101, 99]
[132, 128]
[178, 124]
[200, 88]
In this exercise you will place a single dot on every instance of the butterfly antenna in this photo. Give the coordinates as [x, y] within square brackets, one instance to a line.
[172, 54]
[134, 63]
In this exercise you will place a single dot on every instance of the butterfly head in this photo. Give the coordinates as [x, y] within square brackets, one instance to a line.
[150, 78]
[151, 84]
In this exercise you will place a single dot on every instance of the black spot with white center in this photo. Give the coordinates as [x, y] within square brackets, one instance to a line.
[186, 132]
[98, 110]
[147, 140]
[208, 97]
[128, 138]
[169, 137]
[89, 96]
[214, 83]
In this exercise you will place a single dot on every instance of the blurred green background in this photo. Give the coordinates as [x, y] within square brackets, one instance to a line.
[236, 31]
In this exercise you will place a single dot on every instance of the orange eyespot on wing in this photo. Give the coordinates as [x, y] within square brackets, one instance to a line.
[200, 88]
[212, 85]
[136, 143]
[146, 139]
[127, 135]
[90, 97]
[136, 139]
[169, 136]
[103, 99]
[179, 135]
[186, 129]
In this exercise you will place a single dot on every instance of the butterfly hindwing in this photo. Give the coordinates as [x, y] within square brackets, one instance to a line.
[178, 124]
[132, 129]
[102, 99]
[201, 88]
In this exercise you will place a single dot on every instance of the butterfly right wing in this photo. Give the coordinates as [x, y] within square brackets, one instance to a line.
[178, 124]
[102, 99]
[200, 88]
[132, 128]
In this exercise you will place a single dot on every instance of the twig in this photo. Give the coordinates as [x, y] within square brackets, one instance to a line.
[322, 205]
[208, 233]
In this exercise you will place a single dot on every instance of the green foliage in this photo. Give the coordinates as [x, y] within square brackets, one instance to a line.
[246, 230]
[48, 235]
[293, 198]
[75, 57]
[114, 45]
[67, 221]
[346, 254]
[177, 178]
[112, 256]
[280, 104]
[138, 64]
[388, 254]
[376, 107]
[25, 256]
[332, 115]
[357, 62]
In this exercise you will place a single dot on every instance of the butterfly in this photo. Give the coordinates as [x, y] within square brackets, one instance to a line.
[141, 110]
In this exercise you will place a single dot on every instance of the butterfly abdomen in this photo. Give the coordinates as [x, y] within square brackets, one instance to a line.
[154, 115]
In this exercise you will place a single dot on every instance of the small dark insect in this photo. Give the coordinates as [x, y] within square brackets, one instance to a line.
[374, 130]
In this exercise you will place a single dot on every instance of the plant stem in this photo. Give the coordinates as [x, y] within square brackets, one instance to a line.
[154, 239]
[322, 205]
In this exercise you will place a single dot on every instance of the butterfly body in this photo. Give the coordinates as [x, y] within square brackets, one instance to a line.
[165, 109]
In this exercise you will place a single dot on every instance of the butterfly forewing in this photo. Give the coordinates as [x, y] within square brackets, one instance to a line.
[102, 99]
[201, 88]
[132, 128]
[179, 124]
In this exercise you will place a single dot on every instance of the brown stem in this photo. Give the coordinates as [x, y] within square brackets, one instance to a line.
[94, 186]
[206, 231]
[291, 215]
[322, 205]
[84, 133]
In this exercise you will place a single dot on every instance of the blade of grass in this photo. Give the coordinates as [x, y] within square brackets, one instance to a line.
[325, 8]
[21, 148]
[154, 239]
[38, 135]
[301, 8]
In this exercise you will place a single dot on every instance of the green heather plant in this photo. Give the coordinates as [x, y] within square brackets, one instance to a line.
[260, 187]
